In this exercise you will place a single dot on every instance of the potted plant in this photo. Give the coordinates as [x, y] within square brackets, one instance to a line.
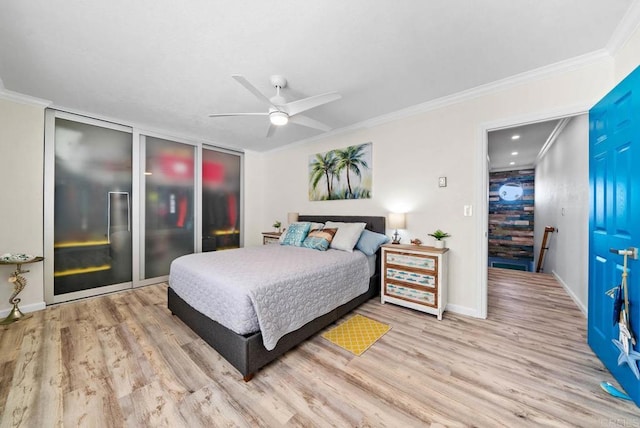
[439, 236]
[277, 225]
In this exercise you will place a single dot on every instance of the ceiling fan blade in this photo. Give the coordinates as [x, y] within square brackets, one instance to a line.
[259, 95]
[309, 123]
[271, 130]
[238, 114]
[295, 107]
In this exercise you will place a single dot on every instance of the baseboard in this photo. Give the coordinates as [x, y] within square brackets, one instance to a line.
[463, 310]
[570, 293]
[33, 307]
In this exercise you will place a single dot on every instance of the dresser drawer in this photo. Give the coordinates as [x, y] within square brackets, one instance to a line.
[418, 278]
[411, 294]
[267, 240]
[416, 261]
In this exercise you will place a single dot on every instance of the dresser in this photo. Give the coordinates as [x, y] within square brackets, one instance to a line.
[415, 277]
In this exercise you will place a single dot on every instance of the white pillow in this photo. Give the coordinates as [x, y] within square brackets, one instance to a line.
[313, 226]
[347, 235]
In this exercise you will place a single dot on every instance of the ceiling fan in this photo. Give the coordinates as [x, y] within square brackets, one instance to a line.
[280, 111]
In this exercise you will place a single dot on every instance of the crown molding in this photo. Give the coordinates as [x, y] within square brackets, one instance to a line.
[552, 138]
[509, 82]
[8, 95]
[22, 99]
[625, 29]
[161, 133]
[498, 85]
[149, 130]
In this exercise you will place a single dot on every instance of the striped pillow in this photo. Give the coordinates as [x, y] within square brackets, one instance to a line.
[319, 239]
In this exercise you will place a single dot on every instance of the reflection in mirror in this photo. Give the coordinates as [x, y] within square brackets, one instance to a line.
[169, 218]
[220, 200]
[92, 188]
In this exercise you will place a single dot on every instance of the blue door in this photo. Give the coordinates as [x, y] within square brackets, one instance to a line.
[614, 177]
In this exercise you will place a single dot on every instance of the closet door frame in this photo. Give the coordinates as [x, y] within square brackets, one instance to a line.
[49, 205]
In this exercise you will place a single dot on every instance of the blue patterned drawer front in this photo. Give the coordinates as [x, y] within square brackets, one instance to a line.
[411, 294]
[412, 261]
[423, 279]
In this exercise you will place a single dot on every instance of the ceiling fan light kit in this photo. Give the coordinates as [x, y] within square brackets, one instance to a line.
[280, 111]
[278, 118]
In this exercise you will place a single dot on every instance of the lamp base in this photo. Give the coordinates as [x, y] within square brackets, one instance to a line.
[396, 238]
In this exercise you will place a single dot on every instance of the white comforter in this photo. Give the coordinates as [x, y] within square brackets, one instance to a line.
[272, 288]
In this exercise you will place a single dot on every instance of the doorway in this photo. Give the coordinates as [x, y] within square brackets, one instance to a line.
[513, 155]
[555, 126]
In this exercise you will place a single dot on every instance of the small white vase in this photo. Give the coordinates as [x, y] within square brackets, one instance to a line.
[439, 243]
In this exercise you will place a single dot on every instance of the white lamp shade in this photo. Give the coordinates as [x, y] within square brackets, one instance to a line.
[292, 217]
[397, 221]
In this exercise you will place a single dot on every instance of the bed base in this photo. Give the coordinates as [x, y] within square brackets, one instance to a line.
[247, 352]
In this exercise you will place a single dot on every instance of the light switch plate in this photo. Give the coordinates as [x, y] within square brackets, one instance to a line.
[468, 210]
[442, 182]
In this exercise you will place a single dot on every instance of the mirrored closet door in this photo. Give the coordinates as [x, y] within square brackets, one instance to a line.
[121, 205]
[168, 211]
[88, 203]
[221, 199]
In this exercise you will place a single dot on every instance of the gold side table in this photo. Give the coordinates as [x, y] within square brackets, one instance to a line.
[19, 282]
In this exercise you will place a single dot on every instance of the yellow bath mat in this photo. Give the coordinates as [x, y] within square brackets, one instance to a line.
[357, 334]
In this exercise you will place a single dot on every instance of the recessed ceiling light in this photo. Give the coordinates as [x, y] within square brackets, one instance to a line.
[512, 163]
[514, 153]
[515, 137]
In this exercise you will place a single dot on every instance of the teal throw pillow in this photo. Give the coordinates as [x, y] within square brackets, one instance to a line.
[296, 233]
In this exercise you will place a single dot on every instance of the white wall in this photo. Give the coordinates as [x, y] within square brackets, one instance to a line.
[254, 200]
[410, 154]
[21, 196]
[562, 201]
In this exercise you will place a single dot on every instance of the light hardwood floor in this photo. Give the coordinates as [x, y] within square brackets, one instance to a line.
[124, 360]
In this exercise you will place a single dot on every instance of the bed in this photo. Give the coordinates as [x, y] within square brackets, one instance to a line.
[247, 352]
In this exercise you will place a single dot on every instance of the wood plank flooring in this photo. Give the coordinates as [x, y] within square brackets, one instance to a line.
[124, 360]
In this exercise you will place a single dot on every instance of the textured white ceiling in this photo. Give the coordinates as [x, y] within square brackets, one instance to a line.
[166, 65]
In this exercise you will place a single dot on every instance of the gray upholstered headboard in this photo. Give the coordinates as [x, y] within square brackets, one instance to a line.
[374, 223]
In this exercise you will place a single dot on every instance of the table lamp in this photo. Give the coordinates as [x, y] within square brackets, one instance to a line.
[396, 221]
[292, 217]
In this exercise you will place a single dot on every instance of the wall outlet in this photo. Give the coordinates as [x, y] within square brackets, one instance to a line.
[442, 182]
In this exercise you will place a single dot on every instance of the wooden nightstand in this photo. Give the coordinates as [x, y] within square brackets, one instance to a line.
[415, 277]
[270, 238]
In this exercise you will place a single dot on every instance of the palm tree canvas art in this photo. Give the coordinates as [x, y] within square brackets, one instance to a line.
[341, 174]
